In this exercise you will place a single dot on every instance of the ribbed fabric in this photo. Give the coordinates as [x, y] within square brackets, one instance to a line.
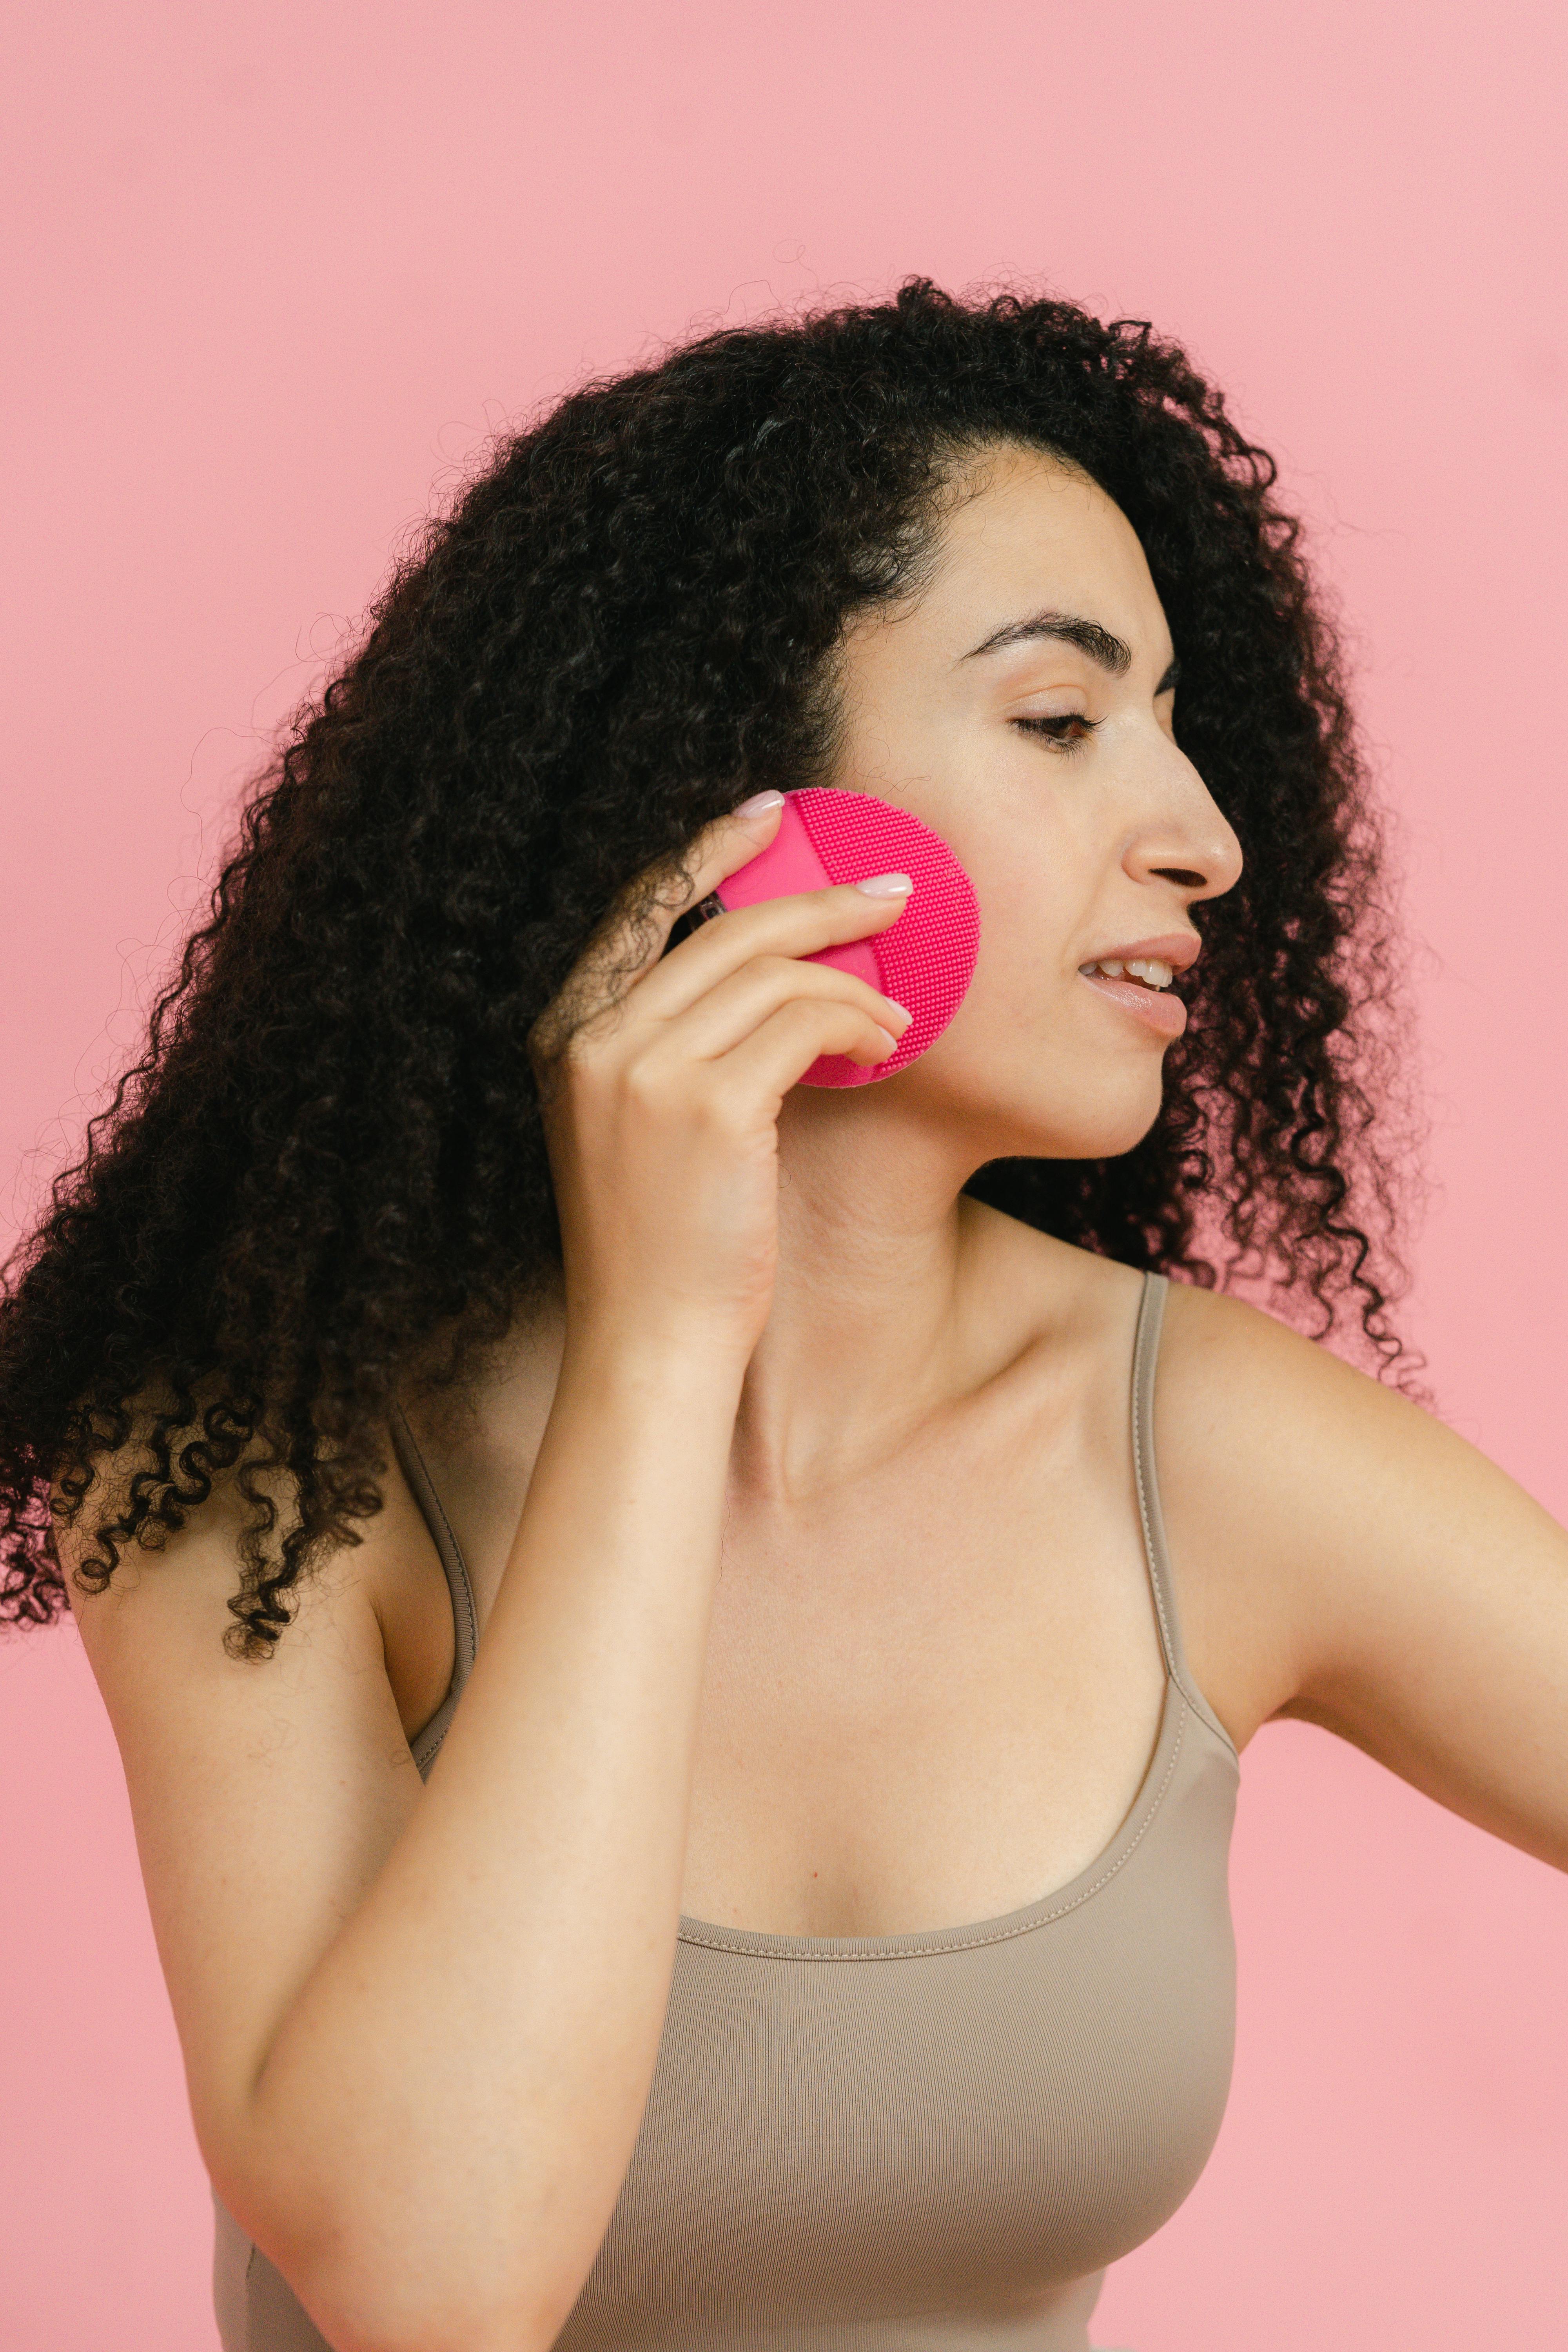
[922, 2143]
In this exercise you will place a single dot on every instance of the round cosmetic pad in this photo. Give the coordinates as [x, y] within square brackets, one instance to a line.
[925, 960]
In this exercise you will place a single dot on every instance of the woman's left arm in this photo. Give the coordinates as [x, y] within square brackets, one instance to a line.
[1342, 1557]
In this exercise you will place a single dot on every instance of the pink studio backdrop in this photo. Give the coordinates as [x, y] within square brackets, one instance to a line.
[275, 272]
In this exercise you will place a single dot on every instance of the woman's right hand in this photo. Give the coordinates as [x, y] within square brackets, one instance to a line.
[661, 1078]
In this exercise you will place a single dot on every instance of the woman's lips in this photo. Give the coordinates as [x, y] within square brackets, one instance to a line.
[1157, 1007]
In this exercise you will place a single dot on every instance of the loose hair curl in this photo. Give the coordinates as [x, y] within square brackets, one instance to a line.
[324, 1182]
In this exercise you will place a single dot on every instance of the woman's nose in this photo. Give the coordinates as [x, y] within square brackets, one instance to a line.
[1189, 841]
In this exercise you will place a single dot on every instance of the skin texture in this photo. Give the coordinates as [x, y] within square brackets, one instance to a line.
[802, 1521]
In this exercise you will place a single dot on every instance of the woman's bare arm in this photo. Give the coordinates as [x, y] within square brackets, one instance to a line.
[472, 2054]
[1347, 1559]
[420, 2024]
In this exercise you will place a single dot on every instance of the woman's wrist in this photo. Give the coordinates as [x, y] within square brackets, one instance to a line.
[667, 1353]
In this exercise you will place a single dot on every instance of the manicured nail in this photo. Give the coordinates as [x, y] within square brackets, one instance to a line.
[760, 804]
[886, 885]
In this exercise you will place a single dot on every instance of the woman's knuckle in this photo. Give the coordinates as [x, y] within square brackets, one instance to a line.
[644, 1082]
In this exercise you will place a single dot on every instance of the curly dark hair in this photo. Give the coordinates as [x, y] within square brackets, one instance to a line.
[324, 1182]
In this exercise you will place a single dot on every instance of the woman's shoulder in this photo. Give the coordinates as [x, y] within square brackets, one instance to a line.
[1353, 1561]
[156, 1609]
[1241, 1372]
[1290, 1480]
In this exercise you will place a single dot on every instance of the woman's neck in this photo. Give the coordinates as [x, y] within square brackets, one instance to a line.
[882, 1309]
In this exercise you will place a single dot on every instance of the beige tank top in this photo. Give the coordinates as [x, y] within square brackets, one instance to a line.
[922, 2143]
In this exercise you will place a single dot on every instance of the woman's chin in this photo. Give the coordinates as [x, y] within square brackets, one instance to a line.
[1094, 1122]
[1075, 1108]
[1083, 1141]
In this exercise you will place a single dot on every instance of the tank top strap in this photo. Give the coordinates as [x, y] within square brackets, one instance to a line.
[1145, 1359]
[465, 1619]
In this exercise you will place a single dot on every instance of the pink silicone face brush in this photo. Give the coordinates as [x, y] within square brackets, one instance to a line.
[924, 960]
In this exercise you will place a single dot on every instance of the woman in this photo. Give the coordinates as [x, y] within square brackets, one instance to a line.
[705, 1820]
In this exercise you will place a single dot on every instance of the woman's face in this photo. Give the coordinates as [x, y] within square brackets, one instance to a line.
[1024, 708]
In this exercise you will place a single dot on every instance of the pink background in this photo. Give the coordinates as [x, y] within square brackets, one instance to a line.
[276, 271]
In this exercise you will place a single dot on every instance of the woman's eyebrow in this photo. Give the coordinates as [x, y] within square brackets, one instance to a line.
[1107, 651]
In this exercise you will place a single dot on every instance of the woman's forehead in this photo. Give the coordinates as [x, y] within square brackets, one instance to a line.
[1026, 509]
[1025, 532]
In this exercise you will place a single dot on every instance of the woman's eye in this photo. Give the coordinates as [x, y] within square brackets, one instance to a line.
[1066, 731]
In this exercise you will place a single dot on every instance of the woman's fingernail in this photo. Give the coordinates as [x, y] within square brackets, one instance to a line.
[760, 804]
[886, 885]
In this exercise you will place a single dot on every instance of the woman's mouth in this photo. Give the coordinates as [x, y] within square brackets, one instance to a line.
[1138, 985]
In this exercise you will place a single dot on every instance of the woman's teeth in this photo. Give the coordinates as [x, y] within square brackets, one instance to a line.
[1147, 969]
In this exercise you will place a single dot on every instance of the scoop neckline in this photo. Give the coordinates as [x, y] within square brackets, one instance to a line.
[1175, 1713]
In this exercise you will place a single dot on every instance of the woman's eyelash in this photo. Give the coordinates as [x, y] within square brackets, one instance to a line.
[1054, 728]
